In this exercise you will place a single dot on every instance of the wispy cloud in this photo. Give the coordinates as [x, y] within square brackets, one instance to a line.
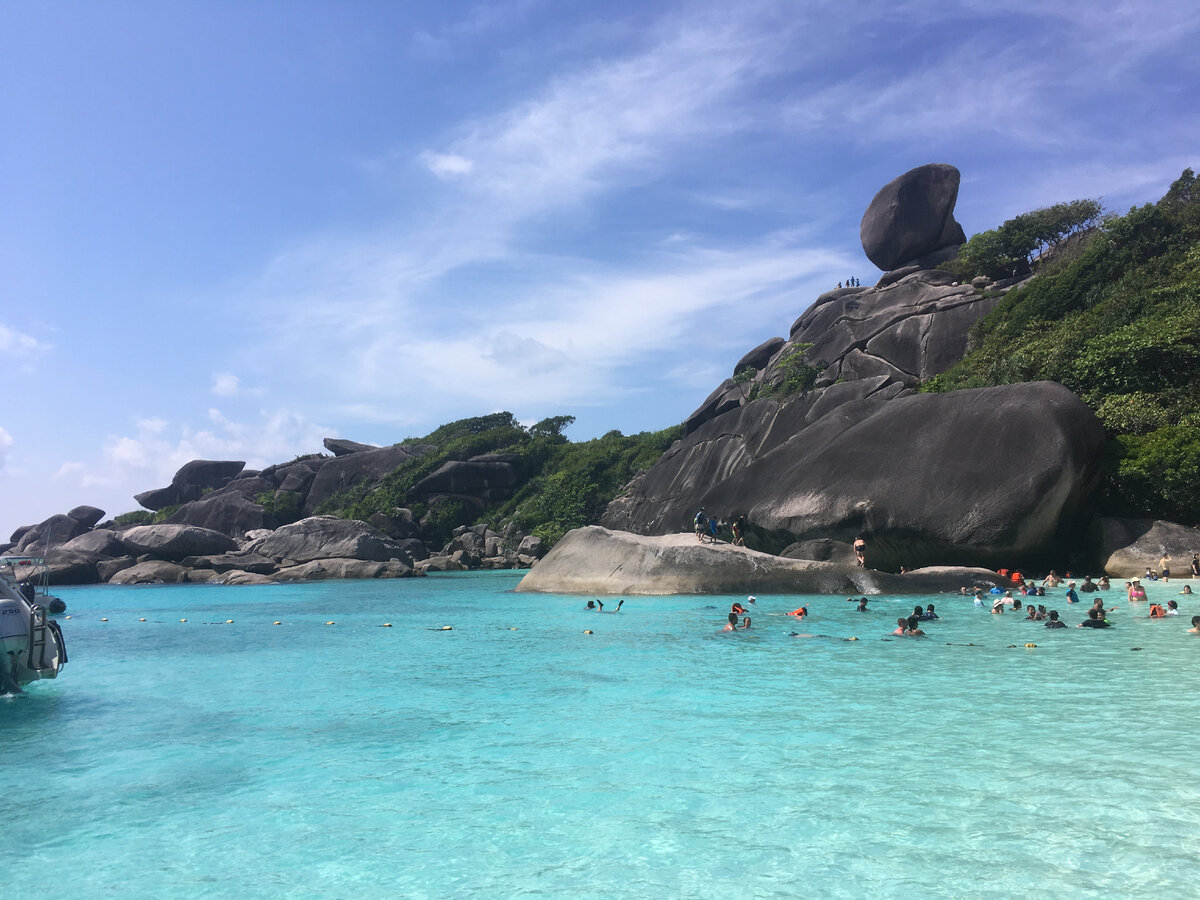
[6, 444]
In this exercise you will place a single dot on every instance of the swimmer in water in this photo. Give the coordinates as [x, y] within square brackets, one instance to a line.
[901, 626]
[732, 624]
[746, 622]
[799, 613]
[620, 603]
[1172, 608]
[929, 615]
[591, 604]
[1053, 621]
[1187, 589]
[914, 627]
[1195, 629]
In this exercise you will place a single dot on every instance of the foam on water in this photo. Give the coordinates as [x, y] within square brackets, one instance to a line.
[656, 757]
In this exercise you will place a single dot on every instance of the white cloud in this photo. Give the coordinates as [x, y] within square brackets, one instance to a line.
[19, 344]
[447, 165]
[224, 384]
[6, 445]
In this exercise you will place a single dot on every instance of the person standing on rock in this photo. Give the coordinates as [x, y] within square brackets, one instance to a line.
[860, 552]
[739, 531]
[699, 522]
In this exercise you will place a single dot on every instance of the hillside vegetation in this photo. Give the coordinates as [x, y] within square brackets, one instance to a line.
[1120, 326]
[566, 485]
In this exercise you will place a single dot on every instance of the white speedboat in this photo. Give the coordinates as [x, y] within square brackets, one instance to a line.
[31, 643]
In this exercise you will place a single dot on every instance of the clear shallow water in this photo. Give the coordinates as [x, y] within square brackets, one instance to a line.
[653, 758]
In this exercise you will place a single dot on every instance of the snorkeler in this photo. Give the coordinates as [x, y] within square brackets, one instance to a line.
[620, 603]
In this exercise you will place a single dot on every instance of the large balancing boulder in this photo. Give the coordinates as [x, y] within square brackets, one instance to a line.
[912, 217]
[328, 537]
[174, 542]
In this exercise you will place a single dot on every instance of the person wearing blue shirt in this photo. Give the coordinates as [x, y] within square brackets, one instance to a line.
[1072, 597]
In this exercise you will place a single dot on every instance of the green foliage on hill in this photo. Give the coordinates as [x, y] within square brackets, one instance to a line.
[1011, 248]
[565, 485]
[136, 517]
[1119, 326]
[577, 480]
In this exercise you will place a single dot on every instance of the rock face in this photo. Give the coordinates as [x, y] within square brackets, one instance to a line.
[925, 478]
[343, 447]
[368, 466]
[912, 217]
[594, 560]
[53, 532]
[191, 482]
[326, 537]
[860, 341]
[1127, 547]
[174, 542]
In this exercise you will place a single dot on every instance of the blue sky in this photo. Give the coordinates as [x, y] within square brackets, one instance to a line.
[231, 229]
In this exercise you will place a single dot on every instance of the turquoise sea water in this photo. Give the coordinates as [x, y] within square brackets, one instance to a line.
[655, 758]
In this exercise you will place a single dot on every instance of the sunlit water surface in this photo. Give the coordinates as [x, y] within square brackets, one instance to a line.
[657, 757]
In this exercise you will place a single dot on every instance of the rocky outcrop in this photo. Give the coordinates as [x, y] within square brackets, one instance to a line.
[52, 532]
[326, 537]
[912, 217]
[228, 512]
[343, 447]
[191, 482]
[861, 340]
[87, 516]
[491, 477]
[174, 542]
[153, 572]
[926, 478]
[595, 560]
[1127, 547]
[759, 356]
[367, 467]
